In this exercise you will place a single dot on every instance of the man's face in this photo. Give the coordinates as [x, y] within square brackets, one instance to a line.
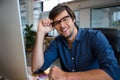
[64, 24]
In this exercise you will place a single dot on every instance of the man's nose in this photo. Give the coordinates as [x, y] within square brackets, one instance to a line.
[62, 24]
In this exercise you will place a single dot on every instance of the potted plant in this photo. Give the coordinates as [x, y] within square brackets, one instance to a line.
[29, 37]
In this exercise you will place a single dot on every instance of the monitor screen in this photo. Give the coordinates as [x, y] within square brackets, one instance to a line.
[12, 52]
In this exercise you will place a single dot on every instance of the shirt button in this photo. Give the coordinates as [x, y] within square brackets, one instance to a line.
[73, 70]
[73, 58]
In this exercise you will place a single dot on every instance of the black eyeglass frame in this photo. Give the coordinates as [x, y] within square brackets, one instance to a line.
[59, 21]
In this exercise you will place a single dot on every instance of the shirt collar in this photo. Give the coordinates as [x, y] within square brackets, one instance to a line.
[79, 35]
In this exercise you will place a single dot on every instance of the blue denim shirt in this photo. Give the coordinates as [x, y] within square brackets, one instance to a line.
[90, 50]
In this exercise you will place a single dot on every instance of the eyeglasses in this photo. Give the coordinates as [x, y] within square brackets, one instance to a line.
[64, 19]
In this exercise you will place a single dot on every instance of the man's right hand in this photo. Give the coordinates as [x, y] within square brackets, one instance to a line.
[45, 26]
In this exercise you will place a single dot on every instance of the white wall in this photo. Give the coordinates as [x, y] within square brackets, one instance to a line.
[85, 17]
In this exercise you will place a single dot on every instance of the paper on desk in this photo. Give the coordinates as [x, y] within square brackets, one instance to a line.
[43, 77]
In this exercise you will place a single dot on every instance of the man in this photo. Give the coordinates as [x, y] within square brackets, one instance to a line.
[84, 54]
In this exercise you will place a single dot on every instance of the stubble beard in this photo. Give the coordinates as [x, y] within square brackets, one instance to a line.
[70, 35]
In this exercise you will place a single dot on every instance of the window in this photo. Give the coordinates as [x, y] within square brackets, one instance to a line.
[49, 4]
[37, 9]
[108, 17]
[23, 12]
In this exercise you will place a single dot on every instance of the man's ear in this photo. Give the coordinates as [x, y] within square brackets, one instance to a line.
[74, 20]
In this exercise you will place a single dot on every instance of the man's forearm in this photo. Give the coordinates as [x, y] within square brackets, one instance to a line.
[97, 74]
[37, 55]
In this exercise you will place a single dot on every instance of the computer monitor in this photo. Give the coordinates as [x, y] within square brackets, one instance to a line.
[13, 63]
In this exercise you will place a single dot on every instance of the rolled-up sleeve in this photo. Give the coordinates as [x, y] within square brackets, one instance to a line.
[50, 55]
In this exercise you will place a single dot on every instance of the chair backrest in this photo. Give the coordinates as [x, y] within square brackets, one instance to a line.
[113, 36]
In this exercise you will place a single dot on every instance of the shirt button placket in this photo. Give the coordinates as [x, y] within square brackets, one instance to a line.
[73, 70]
[72, 58]
[73, 62]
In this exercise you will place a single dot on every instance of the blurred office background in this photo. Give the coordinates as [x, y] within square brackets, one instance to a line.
[89, 13]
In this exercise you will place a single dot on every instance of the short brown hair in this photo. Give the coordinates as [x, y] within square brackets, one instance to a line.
[58, 9]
